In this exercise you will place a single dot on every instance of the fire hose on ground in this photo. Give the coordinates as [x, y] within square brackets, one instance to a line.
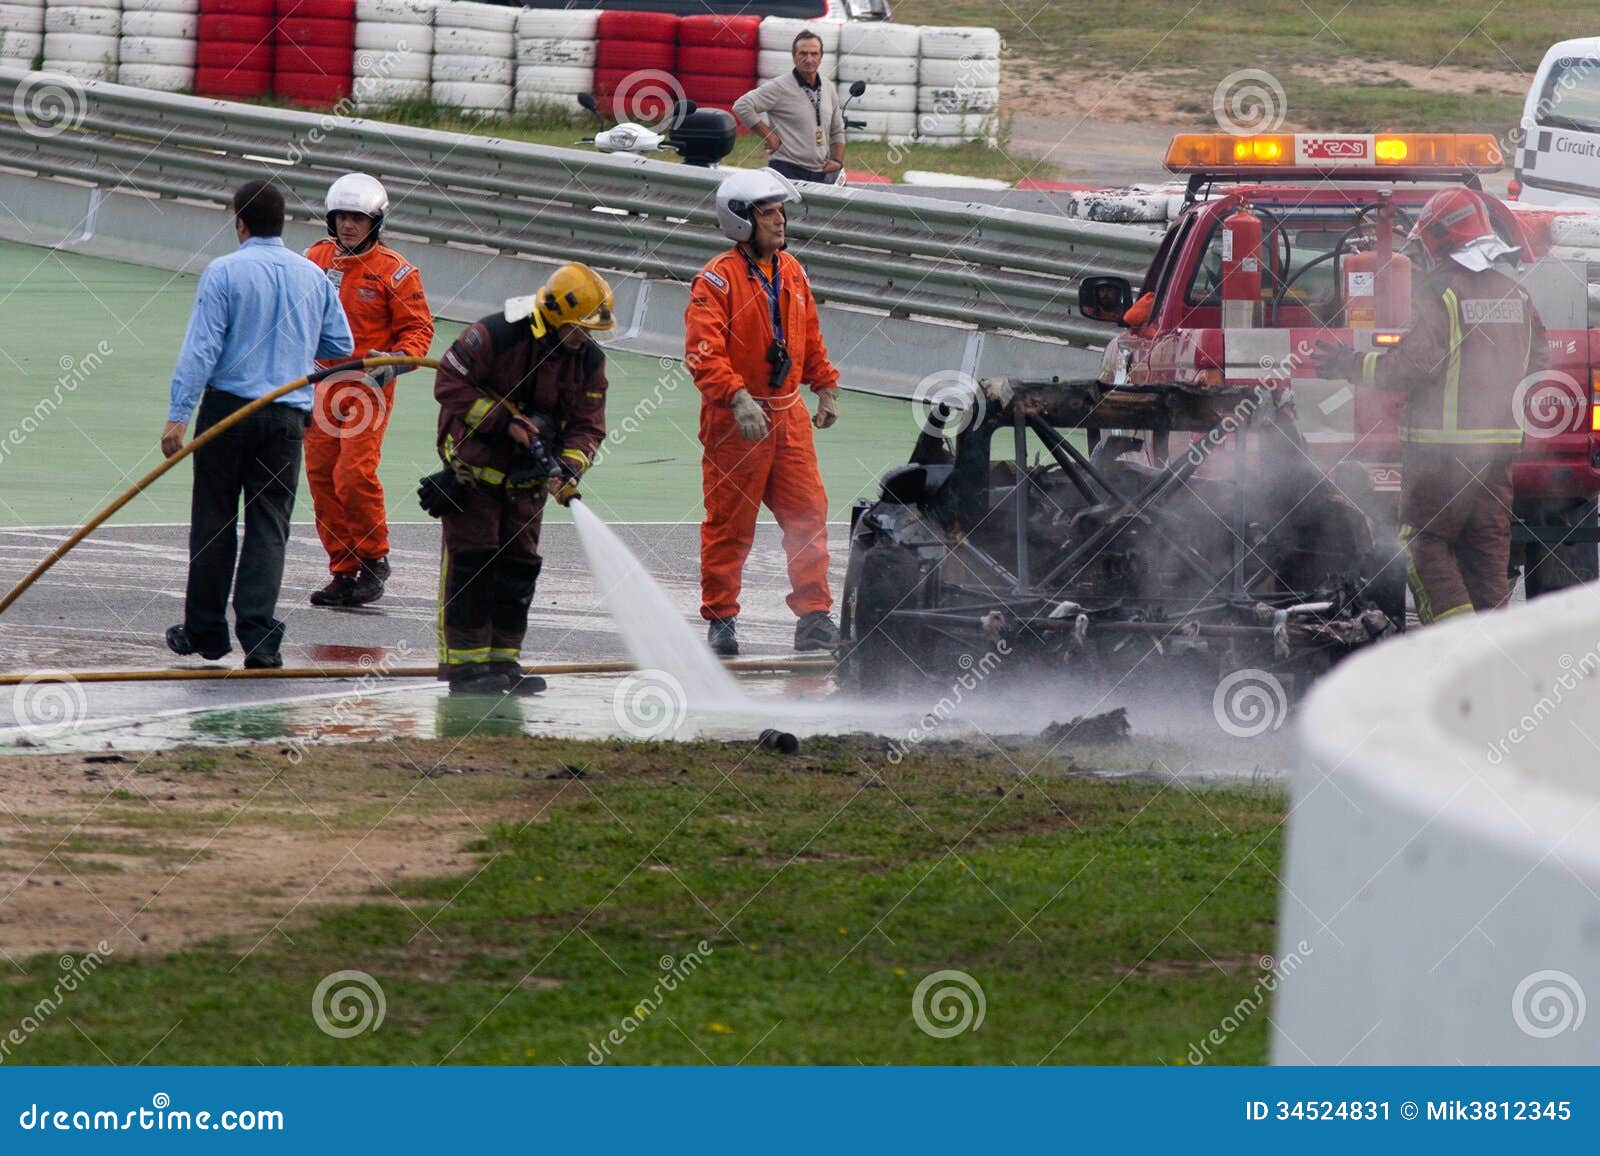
[750, 665]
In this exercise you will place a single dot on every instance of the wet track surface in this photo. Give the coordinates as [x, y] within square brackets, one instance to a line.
[107, 605]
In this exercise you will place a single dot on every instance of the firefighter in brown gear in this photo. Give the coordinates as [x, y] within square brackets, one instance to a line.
[522, 399]
[1474, 338]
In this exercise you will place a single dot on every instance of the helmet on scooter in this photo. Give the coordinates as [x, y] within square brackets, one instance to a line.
[574, 295]
[358, 193]
[739, 194]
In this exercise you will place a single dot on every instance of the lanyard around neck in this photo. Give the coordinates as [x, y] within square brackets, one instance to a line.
[774, 288]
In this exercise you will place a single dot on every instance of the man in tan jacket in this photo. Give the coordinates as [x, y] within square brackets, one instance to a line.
[797, 117]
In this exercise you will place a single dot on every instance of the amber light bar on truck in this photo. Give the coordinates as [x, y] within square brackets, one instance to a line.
[1334, 154]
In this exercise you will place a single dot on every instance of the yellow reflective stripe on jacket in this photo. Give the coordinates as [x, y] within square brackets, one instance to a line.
[578, 456]
[477, 412]
[1369, 369]
[488, 475]
[1461, 437]
[1452, 372]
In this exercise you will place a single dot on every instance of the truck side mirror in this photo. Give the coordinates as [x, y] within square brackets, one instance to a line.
[1105, 298]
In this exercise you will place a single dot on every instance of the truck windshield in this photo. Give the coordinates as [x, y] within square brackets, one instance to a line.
[1571, 95]
[1309, 245]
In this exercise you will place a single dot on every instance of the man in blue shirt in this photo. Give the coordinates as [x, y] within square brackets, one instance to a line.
[262, 317]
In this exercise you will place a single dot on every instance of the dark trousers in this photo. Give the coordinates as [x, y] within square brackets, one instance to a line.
[796, 173]
[258, 459]
[1455, 515]
[491, 564]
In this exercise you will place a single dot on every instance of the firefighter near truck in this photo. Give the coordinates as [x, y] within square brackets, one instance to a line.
[1209, 496]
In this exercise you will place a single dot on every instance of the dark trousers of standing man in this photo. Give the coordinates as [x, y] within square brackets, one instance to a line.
[796, 173]
[259, 460]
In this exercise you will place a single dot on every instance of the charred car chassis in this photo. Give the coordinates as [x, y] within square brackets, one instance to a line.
[1192, 524]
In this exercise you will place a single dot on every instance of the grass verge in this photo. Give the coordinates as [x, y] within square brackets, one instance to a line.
[1105, 920]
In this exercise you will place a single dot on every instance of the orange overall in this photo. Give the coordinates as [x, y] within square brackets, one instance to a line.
[728, 330]
[383, 300]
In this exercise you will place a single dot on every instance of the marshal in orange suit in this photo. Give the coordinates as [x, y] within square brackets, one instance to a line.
[752, 340]
[388, 313]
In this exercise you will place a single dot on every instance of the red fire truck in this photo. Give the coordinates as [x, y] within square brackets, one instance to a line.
[1285, 240]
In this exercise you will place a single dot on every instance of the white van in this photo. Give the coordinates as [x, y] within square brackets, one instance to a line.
[1558, 158]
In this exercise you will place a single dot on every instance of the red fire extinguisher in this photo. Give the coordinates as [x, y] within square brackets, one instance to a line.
[1241, 270]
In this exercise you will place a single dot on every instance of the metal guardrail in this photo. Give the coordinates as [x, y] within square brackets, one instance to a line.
[912, 257]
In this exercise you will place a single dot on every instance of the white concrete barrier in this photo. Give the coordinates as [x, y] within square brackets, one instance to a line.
[1444, 848]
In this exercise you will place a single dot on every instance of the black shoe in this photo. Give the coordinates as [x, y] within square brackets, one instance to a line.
[263, 662]
[178, 642]
[476, 678]
[723, 636]
[369, 583]
[338, 592]
[517, 682]
[816, 631]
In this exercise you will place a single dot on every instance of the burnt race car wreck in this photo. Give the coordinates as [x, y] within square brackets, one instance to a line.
[1225, 550]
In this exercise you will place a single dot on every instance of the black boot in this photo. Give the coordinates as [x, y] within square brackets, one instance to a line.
[370, 581]
[723, 635]
[178, 642]
[336, 593]
[477, 678]
[516, 681]
[815, 631]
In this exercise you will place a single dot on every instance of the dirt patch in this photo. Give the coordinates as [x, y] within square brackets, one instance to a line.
[1172, 97]
[164, 850]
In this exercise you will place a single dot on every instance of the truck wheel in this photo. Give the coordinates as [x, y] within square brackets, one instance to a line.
[1548, 569]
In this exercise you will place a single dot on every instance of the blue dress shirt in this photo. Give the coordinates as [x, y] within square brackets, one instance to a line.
[262, 317]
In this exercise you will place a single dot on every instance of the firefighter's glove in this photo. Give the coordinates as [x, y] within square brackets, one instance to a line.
[563, 485]
[522, 431]
[1336, 361]
[827, 408]
[749, 416]
[443, 493]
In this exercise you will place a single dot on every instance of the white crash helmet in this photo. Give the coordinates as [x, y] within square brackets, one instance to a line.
[739, 194]
[358, 193]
